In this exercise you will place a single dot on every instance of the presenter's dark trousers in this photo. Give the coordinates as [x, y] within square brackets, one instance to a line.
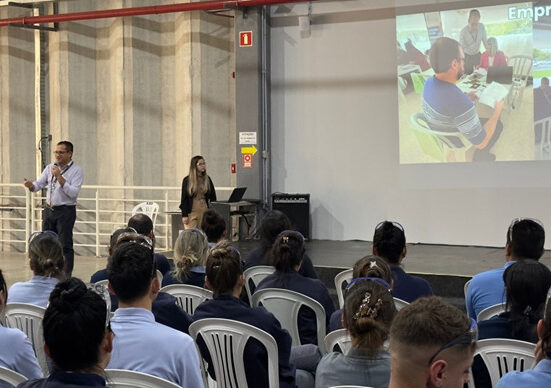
[61, 220]
[471, 61]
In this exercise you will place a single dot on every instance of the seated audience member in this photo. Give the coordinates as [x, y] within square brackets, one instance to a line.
[46, 262]
[389, 242]
[273, 223]
[144, 226]
[542, 103]
[77, 337]
[288, 252]
[525, 240]
[526, 286]
[416, 57]
[492, 57]
[366, 267]
[540, 375]
[102, 273]
[368, 313]
[432, 344]
[225, 278]
[140, 343]
[190, 253]
[214, 226]
[16, 351]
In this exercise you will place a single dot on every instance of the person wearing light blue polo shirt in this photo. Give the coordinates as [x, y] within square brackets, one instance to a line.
[140, 343]
[525, 240]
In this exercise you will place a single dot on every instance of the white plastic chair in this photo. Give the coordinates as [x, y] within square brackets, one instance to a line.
[285, 305]
[522, 69]
[340, 279]
[28, 319]
[399, 303]
[188, 296]
[543, 148]
[150, 209]
[505, 355]
[11, 377]
[118, 378]
[225, 340]
[256, 275]
[490, 312]
[466, 287]
[338, 337]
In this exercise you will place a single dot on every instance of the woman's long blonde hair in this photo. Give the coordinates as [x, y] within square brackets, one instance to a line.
[190, 250]
[194, 181]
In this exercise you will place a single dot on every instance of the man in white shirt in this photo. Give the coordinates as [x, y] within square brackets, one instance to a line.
[140, 343]
[470, 38]
[63, 180]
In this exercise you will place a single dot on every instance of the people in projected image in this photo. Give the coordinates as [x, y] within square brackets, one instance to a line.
[542, 100]
[447, 109]
[472, 35]
[492, 57]
[416, 57]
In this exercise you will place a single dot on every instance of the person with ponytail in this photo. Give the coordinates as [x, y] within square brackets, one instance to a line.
[77, 337]
[367, 314]
[224, 271]
[16, 351]
[288, 253]
[367, 267]
[46, 261]
[526, 285]
[190, 253]
[197, 193]
[389, 242]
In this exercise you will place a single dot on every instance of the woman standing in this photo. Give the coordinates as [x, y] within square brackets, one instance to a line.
[197, 193]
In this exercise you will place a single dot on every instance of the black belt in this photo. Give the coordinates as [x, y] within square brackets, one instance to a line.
[58, 207]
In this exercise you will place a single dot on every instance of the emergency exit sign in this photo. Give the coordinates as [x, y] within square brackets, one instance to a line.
[245, 38]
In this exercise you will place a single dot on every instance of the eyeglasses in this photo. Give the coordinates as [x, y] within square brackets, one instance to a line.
[38, 233]
[466, 338]
[378, 280]
[516, 221]
[103, 292]
[394, 223]
[60, 152]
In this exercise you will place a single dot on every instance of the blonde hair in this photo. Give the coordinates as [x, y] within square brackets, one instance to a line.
[190, 249]
[194, 184]
[46, 255]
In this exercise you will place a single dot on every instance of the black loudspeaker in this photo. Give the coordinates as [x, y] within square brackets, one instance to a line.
[297, 208]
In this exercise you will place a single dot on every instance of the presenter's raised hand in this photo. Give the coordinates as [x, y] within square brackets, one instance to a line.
[185, 220]
[28, 184]
[56, 171]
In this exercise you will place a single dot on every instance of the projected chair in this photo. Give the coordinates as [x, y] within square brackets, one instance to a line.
[442, 146]
[543, 148]
[522, 68]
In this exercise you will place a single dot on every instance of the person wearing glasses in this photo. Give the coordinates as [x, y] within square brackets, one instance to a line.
[525, 240]
[197, 193]
[367, 315]
[77, 337]
[367, 267]
[526, 285]
[16, 351]
[62, 180]
[288, 252]
[447, 109]
[432, 344]
[46, 262]
[140, 343]
[540, 375]
[389, 242]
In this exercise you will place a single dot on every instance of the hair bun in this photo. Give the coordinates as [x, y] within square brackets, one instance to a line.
[67, 296]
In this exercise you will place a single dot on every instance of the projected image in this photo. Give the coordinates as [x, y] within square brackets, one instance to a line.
[465, 84]
[542, 91]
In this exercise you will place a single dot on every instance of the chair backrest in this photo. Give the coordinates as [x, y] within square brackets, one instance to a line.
[340, 279]
[255, 275]
[188, 296]
[338, 337]
[28, 319]
[150, 209]
[491, 311]
[421, 126]
[11, 377]
[225, 340]
[118, 378]
[544, 125]
[466, 287]
[399, 303]
[505, 355]
[522, 66]
[285, 305]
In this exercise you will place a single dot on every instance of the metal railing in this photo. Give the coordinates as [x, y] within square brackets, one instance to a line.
[100, 210]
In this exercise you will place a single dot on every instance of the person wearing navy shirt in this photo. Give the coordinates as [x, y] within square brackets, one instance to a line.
[389, 242]
[77, 337]
[447, 109]
[288, 252]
